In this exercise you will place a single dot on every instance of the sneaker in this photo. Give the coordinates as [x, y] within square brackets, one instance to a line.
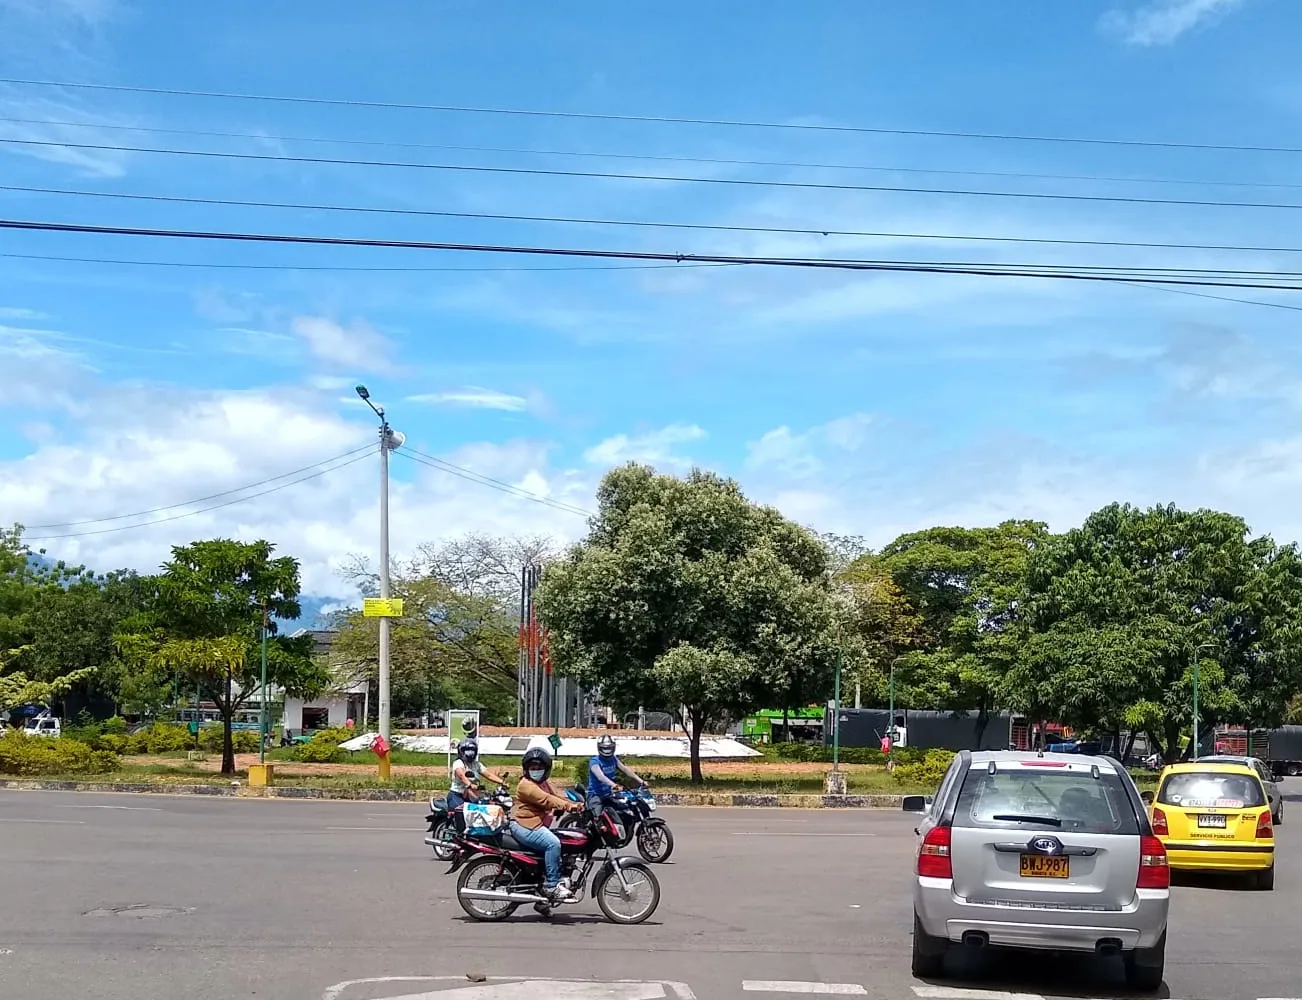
[560, 893]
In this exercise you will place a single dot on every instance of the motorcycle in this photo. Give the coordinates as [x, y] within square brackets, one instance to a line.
[655, 841]
[499, 875]
[445, 823]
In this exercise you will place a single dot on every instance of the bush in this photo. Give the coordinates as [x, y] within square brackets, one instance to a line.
[36, 755]
[210, 739]
[928, 771]
[323, 747]
[161, 737]
[817, 753]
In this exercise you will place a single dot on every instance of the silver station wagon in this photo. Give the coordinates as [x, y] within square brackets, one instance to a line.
[1048, 852]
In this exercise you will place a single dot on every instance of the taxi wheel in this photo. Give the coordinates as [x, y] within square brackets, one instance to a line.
[1265, 881]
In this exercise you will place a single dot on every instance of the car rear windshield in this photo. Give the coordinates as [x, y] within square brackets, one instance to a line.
[1211, 790]
[1028, 797]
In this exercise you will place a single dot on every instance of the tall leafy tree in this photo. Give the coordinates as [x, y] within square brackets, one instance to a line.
[687, 597]
[211, 600]
[1119, 608]
[966, 587]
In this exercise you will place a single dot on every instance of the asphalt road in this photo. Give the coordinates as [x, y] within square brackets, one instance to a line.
[180, 898]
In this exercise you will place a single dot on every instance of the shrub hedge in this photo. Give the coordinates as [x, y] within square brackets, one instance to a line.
[36, 755]
[927, 771]
[161, 737]
[817, 753]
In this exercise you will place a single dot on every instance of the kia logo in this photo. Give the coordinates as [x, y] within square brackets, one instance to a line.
[1046, 845]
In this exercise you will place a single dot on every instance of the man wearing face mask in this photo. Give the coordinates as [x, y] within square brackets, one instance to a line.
[531, 816]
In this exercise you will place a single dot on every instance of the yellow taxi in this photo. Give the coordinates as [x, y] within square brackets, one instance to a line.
[1215, 817]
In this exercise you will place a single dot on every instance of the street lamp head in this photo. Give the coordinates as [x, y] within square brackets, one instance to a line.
[364, 393]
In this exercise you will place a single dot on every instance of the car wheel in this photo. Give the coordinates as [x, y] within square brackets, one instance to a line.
[1144, 966]
[928, 952]
[1278, 818]
[1265, 880]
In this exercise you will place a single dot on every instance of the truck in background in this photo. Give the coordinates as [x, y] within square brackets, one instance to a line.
[1280, 748]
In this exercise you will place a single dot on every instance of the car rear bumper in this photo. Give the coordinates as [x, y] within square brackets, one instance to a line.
[1009, 925]
[1219, 857]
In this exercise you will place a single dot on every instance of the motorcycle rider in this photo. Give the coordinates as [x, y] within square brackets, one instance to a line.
[467, 771]
[531, 819]
[603, 769]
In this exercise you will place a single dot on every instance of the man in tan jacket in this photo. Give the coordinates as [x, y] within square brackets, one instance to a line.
[531, 818]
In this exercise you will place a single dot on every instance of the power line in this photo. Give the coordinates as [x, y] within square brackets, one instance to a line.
[633, 223]
[653, 119]
[825, 263]
[669, 178]
[456, 470]
[655, 157]
[343, 267]
[198, 500]
[202, 510]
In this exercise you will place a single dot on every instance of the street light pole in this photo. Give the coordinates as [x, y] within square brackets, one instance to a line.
[389, 441]
[262, 716]
[1198, 649]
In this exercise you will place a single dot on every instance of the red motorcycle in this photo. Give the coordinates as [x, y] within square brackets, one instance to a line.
[499, 874]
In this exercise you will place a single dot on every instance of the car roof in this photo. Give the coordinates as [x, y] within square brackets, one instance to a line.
[1065, 761]
[1228, 758]
[1211, 766]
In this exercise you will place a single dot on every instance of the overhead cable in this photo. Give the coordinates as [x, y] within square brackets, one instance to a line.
[654, 119]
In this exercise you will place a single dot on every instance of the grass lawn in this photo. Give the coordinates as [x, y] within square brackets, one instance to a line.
[424, 774]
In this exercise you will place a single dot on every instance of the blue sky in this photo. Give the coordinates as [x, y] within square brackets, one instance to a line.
[860, 403]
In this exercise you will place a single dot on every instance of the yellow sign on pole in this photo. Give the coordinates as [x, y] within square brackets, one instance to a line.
[382, 607]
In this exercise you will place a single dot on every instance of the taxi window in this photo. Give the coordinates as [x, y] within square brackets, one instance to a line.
[1214, 790]
[1039, 798]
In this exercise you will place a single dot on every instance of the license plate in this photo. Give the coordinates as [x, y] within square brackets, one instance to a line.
[1212, 822]
[1039, 866]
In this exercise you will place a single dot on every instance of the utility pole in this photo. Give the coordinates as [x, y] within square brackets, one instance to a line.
[390, 440]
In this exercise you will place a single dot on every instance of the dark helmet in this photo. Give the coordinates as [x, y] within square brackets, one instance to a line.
[537, 758]
[468, 750]
[606, 746]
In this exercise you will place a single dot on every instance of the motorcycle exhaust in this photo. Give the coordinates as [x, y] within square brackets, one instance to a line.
[502, 896]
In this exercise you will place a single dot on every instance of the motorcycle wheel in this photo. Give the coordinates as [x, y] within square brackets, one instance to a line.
[643, 897]
[568, 821]
[655, 841]
[442, 835]
[485, 873]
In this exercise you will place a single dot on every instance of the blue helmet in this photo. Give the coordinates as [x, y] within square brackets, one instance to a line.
[468, 750]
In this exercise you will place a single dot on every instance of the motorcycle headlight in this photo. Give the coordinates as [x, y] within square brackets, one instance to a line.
[651, 804]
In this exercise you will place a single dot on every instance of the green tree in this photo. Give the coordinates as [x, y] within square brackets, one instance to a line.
[880, 625]
[212, 599]
[678, 578]
[1118, 607]
[966, 587]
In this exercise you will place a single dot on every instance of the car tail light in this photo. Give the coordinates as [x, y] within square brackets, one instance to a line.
[933, 854]
[1265, 827]
[1160, 828]
[1154, 870]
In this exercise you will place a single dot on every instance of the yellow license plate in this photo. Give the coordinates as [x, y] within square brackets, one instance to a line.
[1039, 866]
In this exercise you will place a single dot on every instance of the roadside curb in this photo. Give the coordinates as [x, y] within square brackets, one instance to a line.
[241, 790]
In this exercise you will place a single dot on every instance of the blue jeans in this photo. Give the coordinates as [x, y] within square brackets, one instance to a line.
[547, 844]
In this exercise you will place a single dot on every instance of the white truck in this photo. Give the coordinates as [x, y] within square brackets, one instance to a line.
[43, 725]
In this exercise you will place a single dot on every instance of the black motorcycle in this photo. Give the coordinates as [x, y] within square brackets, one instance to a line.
[655, 841]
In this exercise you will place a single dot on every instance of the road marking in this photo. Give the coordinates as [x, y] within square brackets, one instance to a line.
[152, 809]
[519, 988]
[957, 993]
[45, 822]
[778, 986]
[381, 829]
[771, 833]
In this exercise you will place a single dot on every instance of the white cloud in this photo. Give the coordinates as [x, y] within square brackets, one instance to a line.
[803, 455]
[654, 447]
[1161, 22]
[475, 397]
[357, 346]
[160, 448]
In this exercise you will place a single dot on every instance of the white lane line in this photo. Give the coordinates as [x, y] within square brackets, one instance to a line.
[518, 988]
[957, 993]
[381, 829]
[773, 833]
[779, 986]
[44, 822]
[152, 809]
